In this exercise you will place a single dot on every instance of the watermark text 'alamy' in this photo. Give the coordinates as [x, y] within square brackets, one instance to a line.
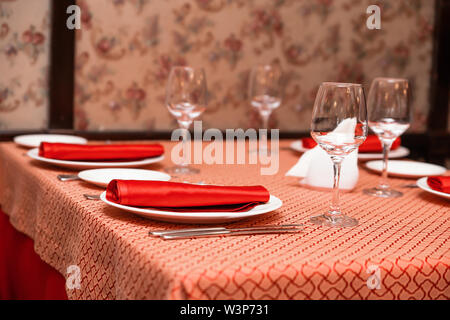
[233, 152]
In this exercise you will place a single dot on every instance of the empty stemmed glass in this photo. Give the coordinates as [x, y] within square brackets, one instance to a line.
[265, 91]
[186, 100]
[389, 116]
[339, 126]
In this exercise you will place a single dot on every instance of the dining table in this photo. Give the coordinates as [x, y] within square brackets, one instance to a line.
[399, 250]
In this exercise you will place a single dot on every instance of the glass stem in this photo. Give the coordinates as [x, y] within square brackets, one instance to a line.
[335, 208]
[265, 119]
[184, 125]
[384, 184]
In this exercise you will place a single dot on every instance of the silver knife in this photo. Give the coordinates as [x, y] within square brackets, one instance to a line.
[229, 233]
[158, 233]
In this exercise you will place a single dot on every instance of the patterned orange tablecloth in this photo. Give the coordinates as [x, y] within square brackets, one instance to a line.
[405, 240]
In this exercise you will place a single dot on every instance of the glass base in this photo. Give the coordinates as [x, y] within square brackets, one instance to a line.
[339, 221]
[182, 170]
[382, 193]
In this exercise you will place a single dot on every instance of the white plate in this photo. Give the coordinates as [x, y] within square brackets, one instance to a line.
[407, 169]
[400, 152]
[422, 184]
[34, 154]
[198, 217]
[101, 177]
[34, 140]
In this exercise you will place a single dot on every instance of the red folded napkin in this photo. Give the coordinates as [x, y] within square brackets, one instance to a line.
[185, 197]
[371, 144]
[309, 143]
[67, 151]
[439, 183]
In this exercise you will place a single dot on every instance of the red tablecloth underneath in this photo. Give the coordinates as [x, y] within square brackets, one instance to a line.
[23, 274]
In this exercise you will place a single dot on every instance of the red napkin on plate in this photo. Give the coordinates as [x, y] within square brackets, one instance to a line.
[124, 152]
[371, 144]
[185, 197]
[439, 183]
[309, 143]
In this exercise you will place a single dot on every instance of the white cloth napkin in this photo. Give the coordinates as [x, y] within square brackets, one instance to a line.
[316, 168]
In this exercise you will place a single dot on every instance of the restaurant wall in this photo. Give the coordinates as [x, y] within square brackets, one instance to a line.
[24, 59]
[125, 49]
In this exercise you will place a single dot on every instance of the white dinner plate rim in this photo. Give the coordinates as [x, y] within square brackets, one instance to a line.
[83, 175]
[370, 166]
[34, 154]
[17, 139]
[203, 217]
[400, 152]
[422, 184]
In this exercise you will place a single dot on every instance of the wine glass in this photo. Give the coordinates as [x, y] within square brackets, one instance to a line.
[339, 126]
[265, 91]
[186, 100]
[389, 117]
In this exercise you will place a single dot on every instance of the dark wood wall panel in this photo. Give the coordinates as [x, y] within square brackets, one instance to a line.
[438, 131]
[62, 62]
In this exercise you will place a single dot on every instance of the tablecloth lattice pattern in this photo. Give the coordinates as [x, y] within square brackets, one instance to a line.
[407, 239]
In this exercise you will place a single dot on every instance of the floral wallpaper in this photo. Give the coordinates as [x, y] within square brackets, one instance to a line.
[24, 51]
[125, 49]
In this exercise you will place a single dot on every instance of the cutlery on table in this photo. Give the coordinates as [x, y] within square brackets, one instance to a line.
[201, 183]
[91, 196]
[158, 233]
[68, 177]
[190, 235]
[412, 185]
[220, 231]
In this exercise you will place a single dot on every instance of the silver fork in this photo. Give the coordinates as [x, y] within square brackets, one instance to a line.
[91, 196]
[67, 177]
[412, 185]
